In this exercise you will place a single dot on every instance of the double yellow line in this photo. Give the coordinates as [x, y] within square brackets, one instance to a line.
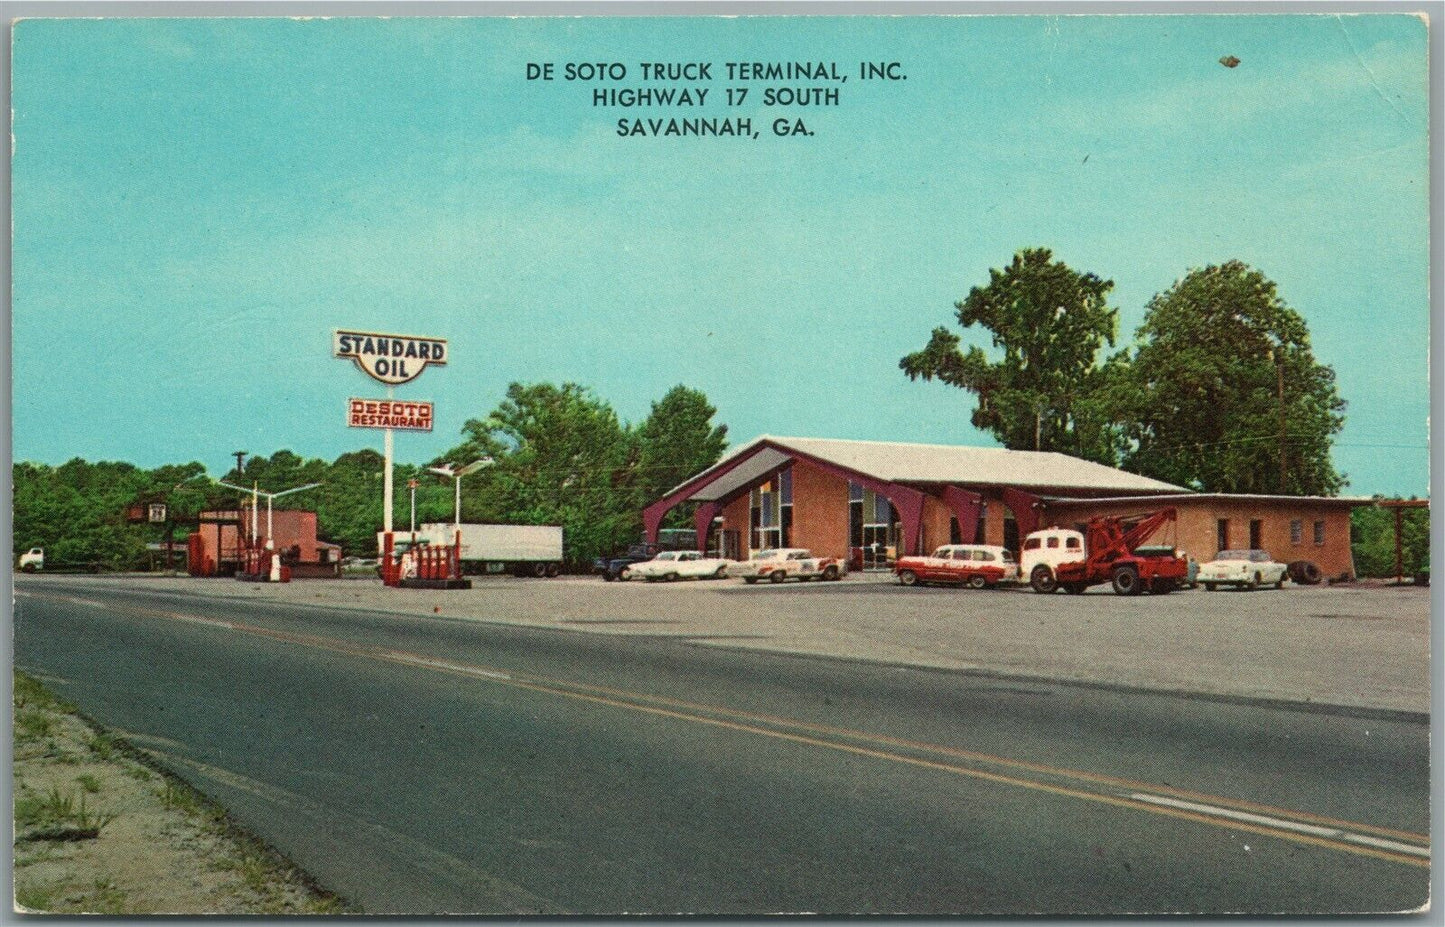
[1217, 811]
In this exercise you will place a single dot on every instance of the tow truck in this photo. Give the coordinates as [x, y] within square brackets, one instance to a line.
[1107, 551]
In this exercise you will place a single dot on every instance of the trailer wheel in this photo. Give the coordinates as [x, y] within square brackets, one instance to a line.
[978, 581]
[553, 569]
[1043, 580]
[1126, 580]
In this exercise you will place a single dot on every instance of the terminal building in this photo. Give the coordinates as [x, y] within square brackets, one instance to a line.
[873, 501]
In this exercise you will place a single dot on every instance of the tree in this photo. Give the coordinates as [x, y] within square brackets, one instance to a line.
[1050, 322]
[561, 458]
[678, 440]
[1223, 392]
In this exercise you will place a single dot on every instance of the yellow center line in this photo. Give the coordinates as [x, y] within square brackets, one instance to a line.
[813, 735]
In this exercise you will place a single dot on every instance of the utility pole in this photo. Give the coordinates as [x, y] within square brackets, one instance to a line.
[240, 461]
[1283, 469]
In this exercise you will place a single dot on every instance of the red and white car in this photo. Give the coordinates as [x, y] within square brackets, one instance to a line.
[974, 565]
[788, 563]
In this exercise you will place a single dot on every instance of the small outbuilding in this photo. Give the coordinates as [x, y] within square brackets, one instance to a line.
[873, 501]
[215, 548]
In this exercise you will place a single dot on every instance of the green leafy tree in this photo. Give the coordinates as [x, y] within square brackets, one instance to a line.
[561, 457]
[1372, 533]
[677, 440]
[1201, 401]
[1044, 392]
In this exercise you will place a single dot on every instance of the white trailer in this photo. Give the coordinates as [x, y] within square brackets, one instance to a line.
[523, 550]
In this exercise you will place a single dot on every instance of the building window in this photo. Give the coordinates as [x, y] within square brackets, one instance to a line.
[1297, 531]
[1221, 539]
[1319, 532]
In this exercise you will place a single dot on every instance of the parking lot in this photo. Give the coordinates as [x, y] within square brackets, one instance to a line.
[1355, 646]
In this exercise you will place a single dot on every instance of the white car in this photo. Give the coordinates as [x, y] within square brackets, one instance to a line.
[672, 565]
[1050, 548]
[32, 560]
[1243, 568]
[783, 563]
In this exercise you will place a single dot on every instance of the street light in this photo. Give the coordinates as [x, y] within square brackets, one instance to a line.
[452, 473]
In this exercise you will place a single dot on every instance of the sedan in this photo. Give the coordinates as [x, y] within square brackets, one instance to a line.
[1245, 569]
[673, 565]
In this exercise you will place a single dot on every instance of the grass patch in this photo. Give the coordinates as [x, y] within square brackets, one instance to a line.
[139, 773]
[102, 745]
[33, 724]
[179, 797]
[36, 896]
[89, 783]
[31, 693]
[56, 815]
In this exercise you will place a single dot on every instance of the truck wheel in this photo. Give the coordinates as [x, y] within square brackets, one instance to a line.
[1126, 581]
[1043, 580]
[978, 581]
[830, 573]
[908, 578]
[777, 576]
[553, 569]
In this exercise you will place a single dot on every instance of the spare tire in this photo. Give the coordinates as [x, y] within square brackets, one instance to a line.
[1306, 572]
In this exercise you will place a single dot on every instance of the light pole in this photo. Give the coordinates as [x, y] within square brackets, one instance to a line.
[456, 474]
[411, 485]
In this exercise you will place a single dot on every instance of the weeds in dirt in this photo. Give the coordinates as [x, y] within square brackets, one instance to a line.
[89, 783]
[139, 773]
[35, 896]
[102, 745]
[56, 815]
[179, 797]
[33, 724]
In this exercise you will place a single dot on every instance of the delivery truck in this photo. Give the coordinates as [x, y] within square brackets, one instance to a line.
[522, 550]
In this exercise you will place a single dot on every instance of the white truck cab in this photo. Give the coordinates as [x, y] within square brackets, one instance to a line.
[1050, 547]
[32, 560]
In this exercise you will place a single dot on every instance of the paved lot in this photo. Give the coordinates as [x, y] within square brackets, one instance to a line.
[1350, 646]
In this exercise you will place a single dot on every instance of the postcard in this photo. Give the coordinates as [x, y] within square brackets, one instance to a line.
[930, 464]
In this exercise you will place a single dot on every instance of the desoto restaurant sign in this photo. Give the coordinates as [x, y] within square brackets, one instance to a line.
[389, 413]
[392, 359]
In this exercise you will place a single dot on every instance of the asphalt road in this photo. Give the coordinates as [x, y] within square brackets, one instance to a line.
[425, 764]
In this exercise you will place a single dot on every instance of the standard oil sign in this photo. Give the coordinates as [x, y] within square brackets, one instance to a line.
[392, 359]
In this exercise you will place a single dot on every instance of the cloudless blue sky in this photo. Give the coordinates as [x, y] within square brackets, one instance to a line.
[199, 203]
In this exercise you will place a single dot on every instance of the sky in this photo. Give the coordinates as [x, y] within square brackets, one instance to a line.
[199, 203]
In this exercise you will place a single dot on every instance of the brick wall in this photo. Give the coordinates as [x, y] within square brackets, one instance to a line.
[1196, 531]
[820, 511]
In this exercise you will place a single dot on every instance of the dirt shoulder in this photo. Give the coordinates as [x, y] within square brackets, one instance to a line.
[99, 829]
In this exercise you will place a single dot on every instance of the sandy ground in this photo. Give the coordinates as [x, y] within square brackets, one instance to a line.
[1357, 646]
[160, 848]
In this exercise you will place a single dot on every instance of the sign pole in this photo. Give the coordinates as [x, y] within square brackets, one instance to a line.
[386, 502]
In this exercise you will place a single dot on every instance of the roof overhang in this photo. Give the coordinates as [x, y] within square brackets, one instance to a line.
[1212, 497]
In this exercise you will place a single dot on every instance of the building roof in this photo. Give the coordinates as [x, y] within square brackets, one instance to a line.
[1217, 496]
[898, 462]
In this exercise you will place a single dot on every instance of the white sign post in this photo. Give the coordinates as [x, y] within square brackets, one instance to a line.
[389, 359]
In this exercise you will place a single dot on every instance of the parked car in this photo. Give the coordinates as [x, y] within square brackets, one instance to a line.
[783, 563]
[611, 567]
[973, 565]
[671, 565]
[32, 560]
[1242, 568]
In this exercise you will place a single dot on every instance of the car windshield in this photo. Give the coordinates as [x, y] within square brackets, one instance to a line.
[765, 555]
[666, 557]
